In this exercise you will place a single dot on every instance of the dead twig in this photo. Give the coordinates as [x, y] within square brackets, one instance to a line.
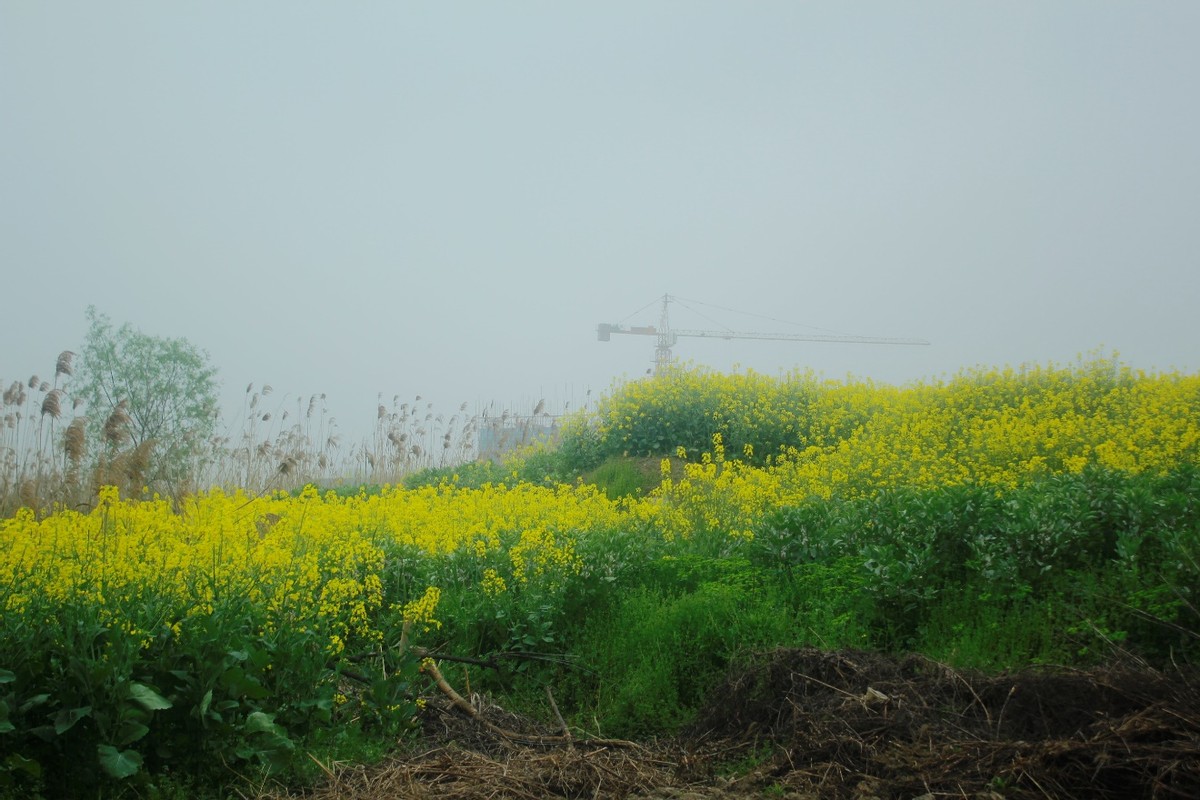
[459, 702]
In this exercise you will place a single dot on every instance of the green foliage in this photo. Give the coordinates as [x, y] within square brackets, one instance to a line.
[580, 445]
[85, 705]
[685, 407]
[1079, 542]
[833, 604]
[636, 624]
[1056, 571]
[624, 477]
[658, 654]
[472, 475]
[974, 629]
[146, 391]
[536, 464]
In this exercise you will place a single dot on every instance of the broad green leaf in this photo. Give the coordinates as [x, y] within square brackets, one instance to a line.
[261, 722]
[43, 732]
[260, 657]
[147, 698]
[239, 684]
[66, 719]
[34, 701]
[119, 763]
[130, 731]
[275, 736]
[7, 676]
[16, 761]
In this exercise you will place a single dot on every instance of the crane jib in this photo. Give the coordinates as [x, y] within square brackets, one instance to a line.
[667, 336]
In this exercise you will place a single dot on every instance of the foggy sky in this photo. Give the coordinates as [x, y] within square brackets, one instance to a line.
[378, 199]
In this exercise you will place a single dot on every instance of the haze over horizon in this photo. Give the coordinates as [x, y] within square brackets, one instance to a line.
[409, 199]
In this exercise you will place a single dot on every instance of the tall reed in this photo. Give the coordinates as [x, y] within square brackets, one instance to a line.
[49, 457]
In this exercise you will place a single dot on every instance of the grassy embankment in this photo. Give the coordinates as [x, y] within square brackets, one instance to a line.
[993, 520]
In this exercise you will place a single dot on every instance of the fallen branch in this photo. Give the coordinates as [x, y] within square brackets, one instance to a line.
[566, 732]
[461, 703]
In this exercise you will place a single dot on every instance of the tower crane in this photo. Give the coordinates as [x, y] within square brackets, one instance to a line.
[668, 336]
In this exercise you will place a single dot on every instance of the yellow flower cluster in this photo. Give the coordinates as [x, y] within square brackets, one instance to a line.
[1003, 427]
[987, 427]
[318, 563]
[493, 583]
[310, 563]
[517, 519]
[304, 565]
[713, 494]
[423, 608]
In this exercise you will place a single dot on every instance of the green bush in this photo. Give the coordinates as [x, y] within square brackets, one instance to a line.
[658, 652]
[623, 477]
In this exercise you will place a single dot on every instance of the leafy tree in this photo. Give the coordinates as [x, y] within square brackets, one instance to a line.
[152, 401]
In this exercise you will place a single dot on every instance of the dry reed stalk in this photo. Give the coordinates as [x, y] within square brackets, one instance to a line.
[75, 440]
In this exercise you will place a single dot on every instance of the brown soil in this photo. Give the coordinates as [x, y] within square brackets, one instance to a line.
[804, 723]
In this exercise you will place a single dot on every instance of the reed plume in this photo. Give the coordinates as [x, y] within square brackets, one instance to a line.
[15, 394]
[137, 462]
[75, 440]
[28, 494]
[116, 427]
[64, 364]
[52, 404]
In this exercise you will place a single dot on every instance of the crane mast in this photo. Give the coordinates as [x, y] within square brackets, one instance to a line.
[667, 337]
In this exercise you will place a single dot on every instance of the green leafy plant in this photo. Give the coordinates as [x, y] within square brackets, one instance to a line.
[152, 402]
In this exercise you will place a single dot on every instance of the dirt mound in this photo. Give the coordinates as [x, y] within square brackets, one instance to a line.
[804, 723]
[852, 724]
